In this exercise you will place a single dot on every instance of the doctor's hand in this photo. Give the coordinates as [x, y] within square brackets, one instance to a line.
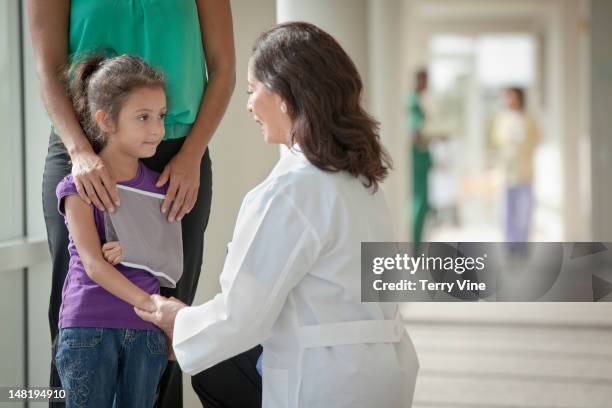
[164, 314]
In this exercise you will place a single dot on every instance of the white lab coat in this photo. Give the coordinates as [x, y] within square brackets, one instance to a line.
[291, 282]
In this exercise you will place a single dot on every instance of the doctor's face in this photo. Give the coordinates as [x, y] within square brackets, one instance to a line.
[269, 111]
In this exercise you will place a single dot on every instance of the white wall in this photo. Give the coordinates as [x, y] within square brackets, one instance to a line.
[346, 20]
[387, 102]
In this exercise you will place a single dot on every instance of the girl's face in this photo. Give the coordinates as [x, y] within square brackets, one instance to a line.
[269, 111]
[140, 123]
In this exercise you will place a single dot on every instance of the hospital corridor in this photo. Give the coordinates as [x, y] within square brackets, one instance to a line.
[497, 118]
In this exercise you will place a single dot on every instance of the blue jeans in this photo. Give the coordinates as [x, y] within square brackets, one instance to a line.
[101, 367]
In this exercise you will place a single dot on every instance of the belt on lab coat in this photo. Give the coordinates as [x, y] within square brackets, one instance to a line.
[344, 333]
[351, 332]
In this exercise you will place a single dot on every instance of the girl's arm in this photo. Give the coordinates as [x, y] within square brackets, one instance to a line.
[49, 26]
[183, 171]
[83, 230]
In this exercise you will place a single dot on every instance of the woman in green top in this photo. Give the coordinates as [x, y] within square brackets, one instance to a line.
[191, 41]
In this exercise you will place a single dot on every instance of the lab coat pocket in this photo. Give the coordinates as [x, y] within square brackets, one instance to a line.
[275, 387]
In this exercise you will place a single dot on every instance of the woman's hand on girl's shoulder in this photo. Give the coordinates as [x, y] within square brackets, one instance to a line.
[183, 174]
[94, 182]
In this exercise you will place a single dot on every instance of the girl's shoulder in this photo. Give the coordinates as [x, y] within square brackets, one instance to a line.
[149, 181]
[65, 187]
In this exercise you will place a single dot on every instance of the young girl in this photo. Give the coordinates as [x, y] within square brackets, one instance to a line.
[106, 353]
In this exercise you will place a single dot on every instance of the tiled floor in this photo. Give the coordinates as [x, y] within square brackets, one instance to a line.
[512, 355]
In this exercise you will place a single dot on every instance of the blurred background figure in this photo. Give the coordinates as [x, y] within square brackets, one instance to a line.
[516, 135]
[421, 158]
[444, 181]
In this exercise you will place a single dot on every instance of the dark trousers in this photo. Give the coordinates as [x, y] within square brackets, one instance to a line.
[212, 384]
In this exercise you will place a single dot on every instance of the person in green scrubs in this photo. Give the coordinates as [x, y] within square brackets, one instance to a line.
[421, 158]
[191, 41]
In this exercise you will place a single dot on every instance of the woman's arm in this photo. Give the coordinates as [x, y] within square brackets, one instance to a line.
[274, 247]
[218, 41]
[183, 171]
[49, 26]
[83, 230]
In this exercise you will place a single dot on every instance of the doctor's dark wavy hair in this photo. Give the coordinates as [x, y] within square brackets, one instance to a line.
[322, 89]
[99, 83]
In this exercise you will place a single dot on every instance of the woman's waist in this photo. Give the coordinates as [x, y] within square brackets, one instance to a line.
[309, 323]
[175, 128]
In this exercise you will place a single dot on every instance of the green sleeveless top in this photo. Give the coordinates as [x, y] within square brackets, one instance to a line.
[165, 33]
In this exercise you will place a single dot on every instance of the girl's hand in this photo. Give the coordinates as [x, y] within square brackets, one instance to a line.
[147, 303]
[113, 253]
[163, 313]
[93, 181]
[183, 172]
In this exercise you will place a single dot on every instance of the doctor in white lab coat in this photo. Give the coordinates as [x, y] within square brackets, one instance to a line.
[291, 280]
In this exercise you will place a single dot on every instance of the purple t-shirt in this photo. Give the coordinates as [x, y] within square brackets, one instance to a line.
[84, 302]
